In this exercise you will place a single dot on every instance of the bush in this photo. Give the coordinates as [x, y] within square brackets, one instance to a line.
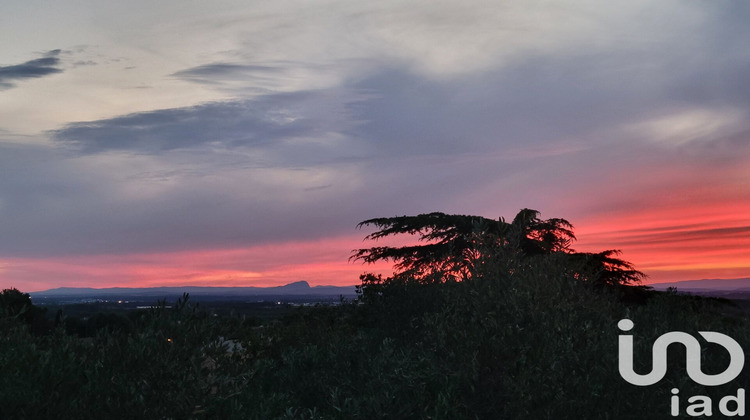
[528, 343]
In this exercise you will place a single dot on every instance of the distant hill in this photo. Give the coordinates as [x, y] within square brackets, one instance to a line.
[726, 288]
[712, 284]
[300, 288]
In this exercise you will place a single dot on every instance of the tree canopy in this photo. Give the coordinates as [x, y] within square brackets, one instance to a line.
[15, 304]
[454, 246]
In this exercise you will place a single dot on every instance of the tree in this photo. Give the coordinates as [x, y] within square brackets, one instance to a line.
[453, 241]
[534, 236]
[457, 244]
[603, 268]
[15, 304]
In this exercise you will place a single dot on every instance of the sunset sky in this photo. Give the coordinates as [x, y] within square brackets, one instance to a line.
[239, 143]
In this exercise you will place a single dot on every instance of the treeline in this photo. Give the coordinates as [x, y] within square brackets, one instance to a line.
[526, 336]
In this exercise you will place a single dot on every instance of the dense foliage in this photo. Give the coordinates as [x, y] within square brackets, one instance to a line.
[517, 339]
[536, 344]
[16, 305]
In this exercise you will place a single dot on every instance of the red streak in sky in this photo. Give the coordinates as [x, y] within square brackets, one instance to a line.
[677, 244]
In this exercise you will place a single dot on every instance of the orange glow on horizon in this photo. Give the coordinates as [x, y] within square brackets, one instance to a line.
[323, 262]
[668, 243]
[677, 243]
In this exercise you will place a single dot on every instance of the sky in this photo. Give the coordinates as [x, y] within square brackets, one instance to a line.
[239, 143]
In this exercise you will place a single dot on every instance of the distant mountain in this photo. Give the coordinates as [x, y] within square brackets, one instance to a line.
[300, 288]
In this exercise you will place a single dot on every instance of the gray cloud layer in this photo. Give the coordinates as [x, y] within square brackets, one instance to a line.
[575, 133]
[32, 69]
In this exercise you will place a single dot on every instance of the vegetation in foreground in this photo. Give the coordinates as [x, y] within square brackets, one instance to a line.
[509, 334]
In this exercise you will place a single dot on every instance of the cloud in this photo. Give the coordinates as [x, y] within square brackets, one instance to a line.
[85, 63]
[301, 124]
[216, 73]
[181, 128]
[32, 69]
[53, 202]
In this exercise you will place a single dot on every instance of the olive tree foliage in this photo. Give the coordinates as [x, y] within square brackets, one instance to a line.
[453, 247]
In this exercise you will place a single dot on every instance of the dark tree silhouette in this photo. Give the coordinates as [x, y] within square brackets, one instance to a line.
[455, 245]
[604, 268]
[535, 236]
[451, 248]
[15, 304]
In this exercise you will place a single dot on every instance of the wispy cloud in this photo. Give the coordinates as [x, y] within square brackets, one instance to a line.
[216, 73]
[276, 121]
[32, 69]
